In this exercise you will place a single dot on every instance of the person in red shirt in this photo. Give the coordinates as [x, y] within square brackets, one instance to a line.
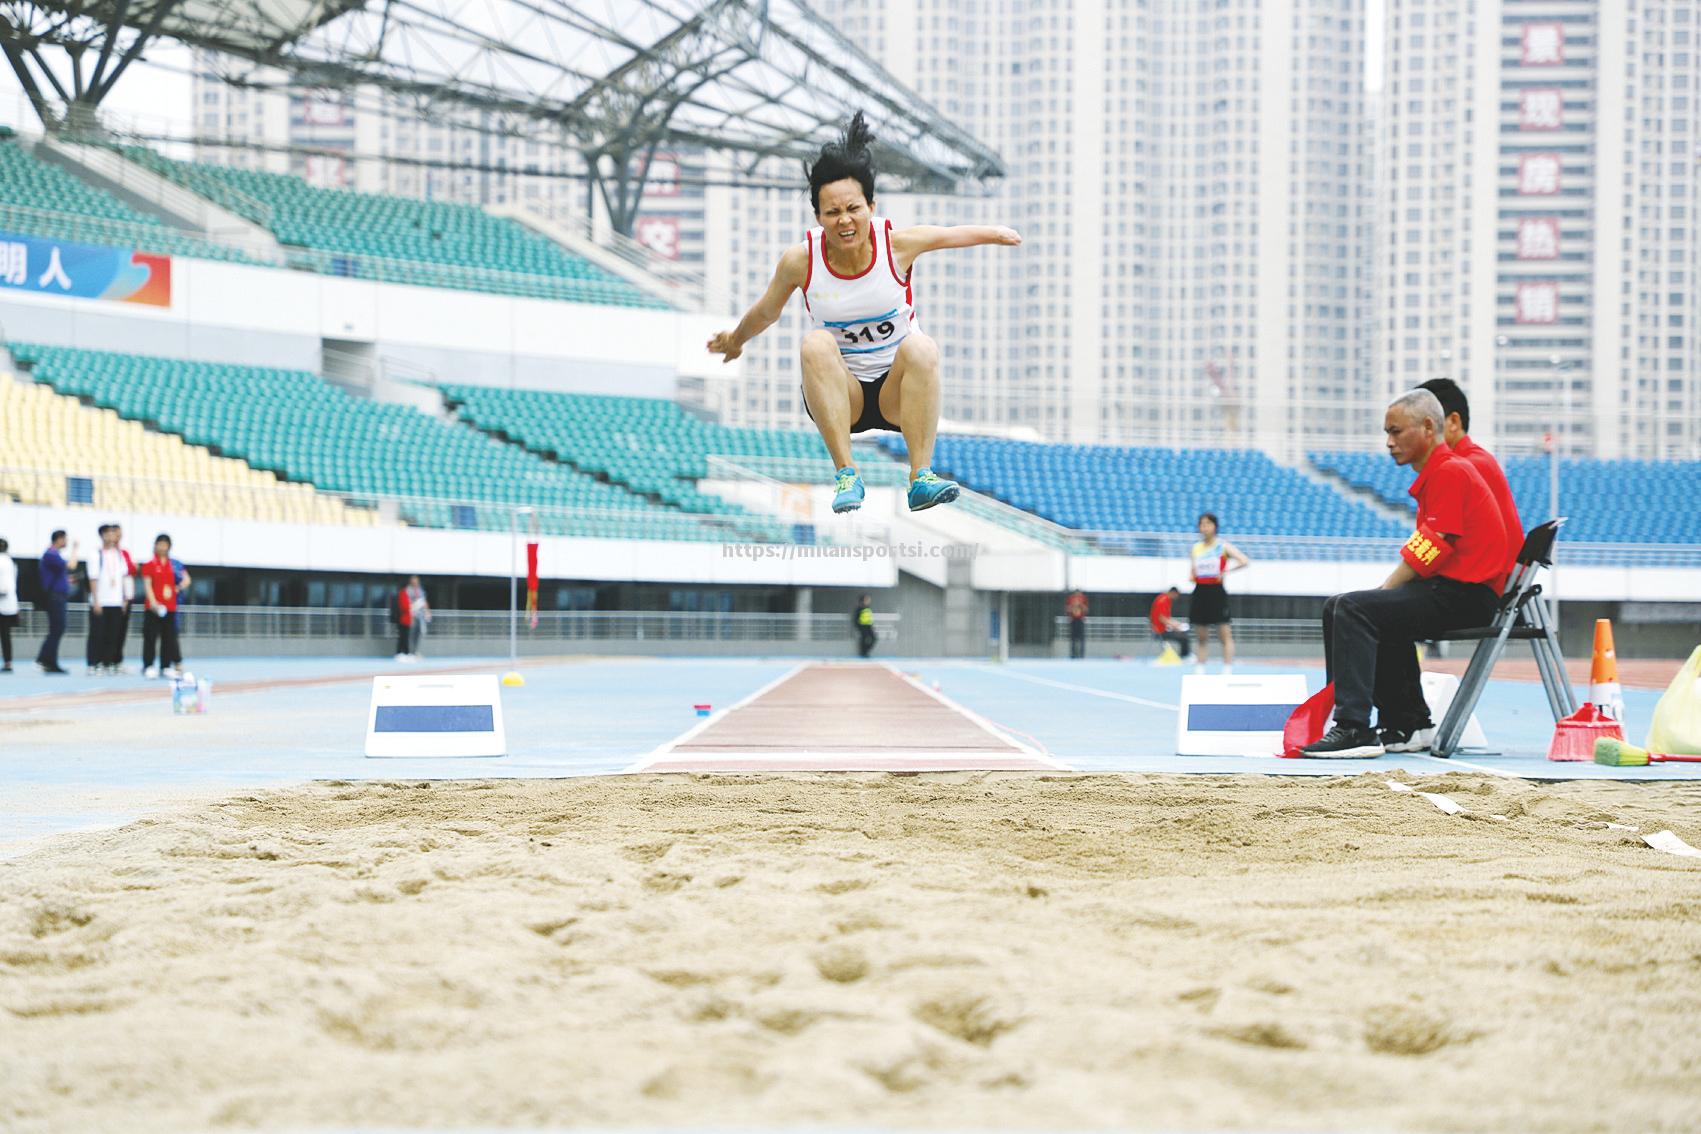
[160, 586]
[1458, 410]
[1445, 580]
[1164, 626]
[1076, 608]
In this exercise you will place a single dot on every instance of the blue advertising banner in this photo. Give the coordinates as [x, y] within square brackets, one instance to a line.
[88, 271]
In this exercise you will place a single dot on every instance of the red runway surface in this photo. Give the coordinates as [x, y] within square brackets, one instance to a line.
[826, 717]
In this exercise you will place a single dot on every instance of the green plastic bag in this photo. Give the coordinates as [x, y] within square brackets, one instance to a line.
[1676, 729]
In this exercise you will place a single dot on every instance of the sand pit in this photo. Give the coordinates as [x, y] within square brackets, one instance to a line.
[993, 950]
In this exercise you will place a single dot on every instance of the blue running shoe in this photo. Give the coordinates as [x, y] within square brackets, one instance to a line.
[849, 494]
[928, 489]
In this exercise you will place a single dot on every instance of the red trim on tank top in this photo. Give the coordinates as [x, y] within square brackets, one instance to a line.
[809, 271]
[872, 260]
[893, 264]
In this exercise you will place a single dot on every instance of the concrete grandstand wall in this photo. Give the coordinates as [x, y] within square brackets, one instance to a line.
[264, 316]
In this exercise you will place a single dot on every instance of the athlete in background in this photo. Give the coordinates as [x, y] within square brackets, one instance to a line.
[866, 363]
[1211, 560]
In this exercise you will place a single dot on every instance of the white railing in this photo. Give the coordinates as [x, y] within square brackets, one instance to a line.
[1247, 631]
[488, 627]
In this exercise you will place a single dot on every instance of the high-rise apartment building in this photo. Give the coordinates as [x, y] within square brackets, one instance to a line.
[1192, 185]
[1539, 217]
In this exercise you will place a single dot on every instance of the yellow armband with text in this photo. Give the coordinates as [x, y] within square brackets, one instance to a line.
[1426, 551]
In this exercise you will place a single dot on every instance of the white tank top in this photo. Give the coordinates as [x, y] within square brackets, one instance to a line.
[870, 313]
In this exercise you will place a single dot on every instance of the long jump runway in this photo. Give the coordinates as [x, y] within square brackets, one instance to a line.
[845, 718]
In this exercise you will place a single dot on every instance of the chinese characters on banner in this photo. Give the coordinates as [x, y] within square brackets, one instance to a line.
[1538, 238]
[1538, 302]
[84, 271]
[1544, 45]
[659, 234]
[1538, 175]
[1540, 109]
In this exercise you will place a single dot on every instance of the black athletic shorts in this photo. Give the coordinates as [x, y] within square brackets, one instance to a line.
[1210, 606]
[871, 417]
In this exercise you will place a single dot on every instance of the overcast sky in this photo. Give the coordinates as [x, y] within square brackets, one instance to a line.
[156, 95]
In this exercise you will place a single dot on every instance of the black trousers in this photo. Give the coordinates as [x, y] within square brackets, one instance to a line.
[865, 640]
[106, 636]
[7, 621]
[404, 635]
[48, 656]
[163, 631]
[1370, 643]
[1077, 637]
[1177, 638]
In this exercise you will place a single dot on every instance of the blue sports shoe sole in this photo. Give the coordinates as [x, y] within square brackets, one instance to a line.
[944, 496]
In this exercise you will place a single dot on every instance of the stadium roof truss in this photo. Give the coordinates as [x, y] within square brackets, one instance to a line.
[612, 79]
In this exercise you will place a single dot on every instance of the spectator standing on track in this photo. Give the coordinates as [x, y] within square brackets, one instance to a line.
[8, 605]
[1076, 607]
[55, 573]
[110, 591]
[160, 586]
[1443, 581]
[1210, 562]
[1164, 626]
[864, 621]
[402, 616]
[419, 607]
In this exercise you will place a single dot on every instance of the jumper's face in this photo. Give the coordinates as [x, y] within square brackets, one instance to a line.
[844, 213]
[1207, 528]
[162, 548]
[1409, 437]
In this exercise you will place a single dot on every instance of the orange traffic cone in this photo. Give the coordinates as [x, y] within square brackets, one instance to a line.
[1604, 689]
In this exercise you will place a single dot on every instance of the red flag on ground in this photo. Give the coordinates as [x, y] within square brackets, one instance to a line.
[1307, 723]
[531, 584]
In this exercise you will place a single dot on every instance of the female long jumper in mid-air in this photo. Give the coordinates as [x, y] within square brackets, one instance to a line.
[866, 363]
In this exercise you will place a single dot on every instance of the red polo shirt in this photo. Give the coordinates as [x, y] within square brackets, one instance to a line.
[159, 572]
[1489, 469]
[1161, 607]
[1452, 499]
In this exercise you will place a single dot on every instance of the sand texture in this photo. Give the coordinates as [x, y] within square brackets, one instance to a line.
[962, 951]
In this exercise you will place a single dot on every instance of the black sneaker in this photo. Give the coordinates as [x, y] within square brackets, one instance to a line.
[1344, 742]
[1408, 739]
[55, 670]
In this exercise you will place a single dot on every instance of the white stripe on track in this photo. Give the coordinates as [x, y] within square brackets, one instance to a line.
[1080, 688]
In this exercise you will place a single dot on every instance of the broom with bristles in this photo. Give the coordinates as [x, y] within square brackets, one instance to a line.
[1619, 754]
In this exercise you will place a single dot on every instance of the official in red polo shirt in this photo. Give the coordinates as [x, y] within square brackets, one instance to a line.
[1445, 580]
[1458, 428]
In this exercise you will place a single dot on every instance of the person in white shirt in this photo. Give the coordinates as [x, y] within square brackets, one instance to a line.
[8, 605]
[420, 608]
[111, 588]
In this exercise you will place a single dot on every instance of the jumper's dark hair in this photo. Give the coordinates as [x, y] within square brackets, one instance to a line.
[1211, 516]
[847, 157]
[163, 536]
[58, 534]
[1452, 400]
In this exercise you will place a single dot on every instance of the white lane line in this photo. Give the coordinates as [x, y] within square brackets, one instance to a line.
[980, 722]
[663, 749]
[1079, 688]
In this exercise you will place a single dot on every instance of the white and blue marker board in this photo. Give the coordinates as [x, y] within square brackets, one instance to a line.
[436, 715]
[1236, 716]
